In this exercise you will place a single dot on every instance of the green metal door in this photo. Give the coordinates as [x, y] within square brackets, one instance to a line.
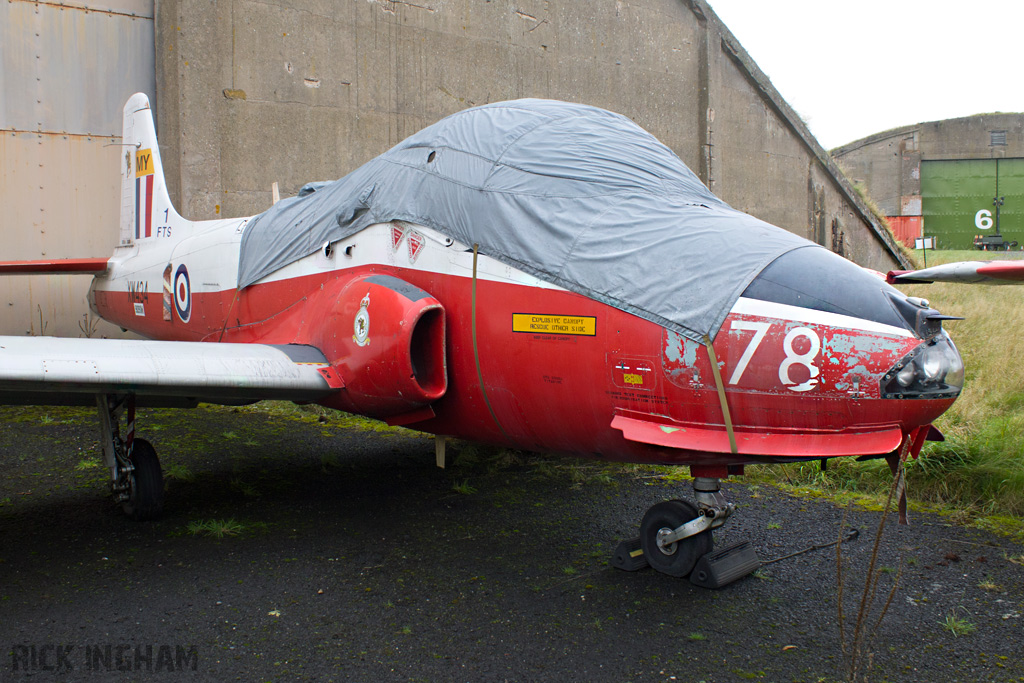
[957, 200]
[1011, 189]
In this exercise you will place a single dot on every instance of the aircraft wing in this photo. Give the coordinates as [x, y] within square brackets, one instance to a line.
[968, 272]
[63, 371]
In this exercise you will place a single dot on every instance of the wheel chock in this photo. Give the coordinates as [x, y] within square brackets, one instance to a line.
[629, 556]
[722, 567]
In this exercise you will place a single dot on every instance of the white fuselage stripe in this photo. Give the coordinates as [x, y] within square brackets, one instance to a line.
[770, 309]
[438, 255]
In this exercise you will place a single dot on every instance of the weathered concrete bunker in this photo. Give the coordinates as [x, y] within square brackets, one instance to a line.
[251, 93]
[941, 179]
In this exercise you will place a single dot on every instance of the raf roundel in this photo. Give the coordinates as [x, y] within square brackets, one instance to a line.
[182, 294]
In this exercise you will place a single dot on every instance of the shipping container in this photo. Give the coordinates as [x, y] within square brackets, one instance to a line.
[905, 228]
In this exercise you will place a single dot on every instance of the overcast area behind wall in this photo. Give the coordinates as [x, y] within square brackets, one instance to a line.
[854, 69]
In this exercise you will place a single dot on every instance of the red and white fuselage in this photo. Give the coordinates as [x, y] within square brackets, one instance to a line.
[779, 351]
[548, 369]
[816, 359]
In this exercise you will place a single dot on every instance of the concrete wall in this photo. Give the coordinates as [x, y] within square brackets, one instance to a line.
[253, 92]
[65, 73]
[888, 164]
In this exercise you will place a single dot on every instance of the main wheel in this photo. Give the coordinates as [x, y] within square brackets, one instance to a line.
[675, 559]
[146, 495]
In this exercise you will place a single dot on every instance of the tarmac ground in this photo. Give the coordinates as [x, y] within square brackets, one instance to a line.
[305, 546]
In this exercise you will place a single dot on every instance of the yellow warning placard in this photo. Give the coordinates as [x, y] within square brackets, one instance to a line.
[537, 323]
[143, 162]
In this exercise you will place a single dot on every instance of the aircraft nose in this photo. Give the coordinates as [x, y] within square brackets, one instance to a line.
[934, 369]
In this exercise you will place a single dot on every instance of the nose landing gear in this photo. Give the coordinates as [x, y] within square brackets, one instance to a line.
[663, 537]
[675, 536]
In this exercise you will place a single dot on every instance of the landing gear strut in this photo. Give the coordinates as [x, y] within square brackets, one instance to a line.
[675, 534]
[675, 538]
[137, 482]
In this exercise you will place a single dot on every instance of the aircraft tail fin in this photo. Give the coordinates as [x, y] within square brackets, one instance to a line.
[146, 210]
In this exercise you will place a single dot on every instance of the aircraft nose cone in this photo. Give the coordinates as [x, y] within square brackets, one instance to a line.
[934, 369]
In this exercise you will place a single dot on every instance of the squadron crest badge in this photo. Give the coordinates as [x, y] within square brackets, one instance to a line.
[362, 323]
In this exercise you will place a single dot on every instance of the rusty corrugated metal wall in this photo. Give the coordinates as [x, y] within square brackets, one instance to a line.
[65, 73]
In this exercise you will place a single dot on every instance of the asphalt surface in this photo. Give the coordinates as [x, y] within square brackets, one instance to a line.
[356, 559]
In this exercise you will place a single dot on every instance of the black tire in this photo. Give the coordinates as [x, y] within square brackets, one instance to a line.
[146, 496]
[678, 558]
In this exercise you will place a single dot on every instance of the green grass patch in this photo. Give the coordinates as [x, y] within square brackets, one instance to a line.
[215, 528]
[957, 626]
[866, 485]
[179, 472]
[334, 419]
[463, 487]
[989, 585]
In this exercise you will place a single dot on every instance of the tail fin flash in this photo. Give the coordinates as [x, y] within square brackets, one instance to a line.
[146, 209]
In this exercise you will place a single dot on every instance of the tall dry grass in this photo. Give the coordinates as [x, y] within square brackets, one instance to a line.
[990, 338]
[982, 462]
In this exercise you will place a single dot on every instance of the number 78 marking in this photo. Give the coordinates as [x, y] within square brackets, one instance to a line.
[759, 330]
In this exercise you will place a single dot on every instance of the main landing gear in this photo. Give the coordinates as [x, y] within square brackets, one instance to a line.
[137, 481]
[675, 539]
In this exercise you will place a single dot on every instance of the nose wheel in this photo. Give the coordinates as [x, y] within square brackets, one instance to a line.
[675, 558]
[675, 537]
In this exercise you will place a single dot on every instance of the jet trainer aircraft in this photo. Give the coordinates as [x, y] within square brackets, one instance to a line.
[532, 274]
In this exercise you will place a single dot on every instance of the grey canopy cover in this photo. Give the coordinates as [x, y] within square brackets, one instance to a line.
[572, 194]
